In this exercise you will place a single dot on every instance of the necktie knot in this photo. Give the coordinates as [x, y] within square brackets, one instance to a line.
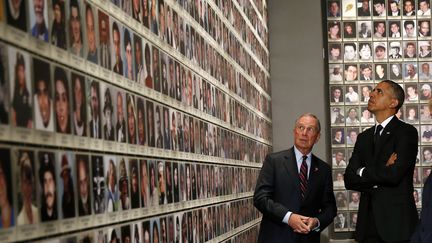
[378, 129]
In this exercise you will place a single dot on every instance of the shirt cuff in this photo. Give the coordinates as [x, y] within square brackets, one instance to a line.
[287, 217]
[360, 173]
[317, 228]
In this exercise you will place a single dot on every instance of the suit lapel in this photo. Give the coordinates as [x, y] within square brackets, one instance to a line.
[290, 165]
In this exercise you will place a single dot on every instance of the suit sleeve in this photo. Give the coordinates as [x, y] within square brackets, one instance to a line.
[352, 180]
[328, 209]
[263, 196]
[406, 146]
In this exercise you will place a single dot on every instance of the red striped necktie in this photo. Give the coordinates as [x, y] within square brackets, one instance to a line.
[303, 177]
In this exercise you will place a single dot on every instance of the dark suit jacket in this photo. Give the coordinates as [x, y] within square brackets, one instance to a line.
[387, 191]
[278, 191]
[423, 233]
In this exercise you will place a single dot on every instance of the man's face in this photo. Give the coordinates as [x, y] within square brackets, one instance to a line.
[129, 56]
[379, 8]
[355, 197]
[424, 6]
[104, 32]
[424, 28]
[119, 108]
[334, 8]
[425, 68]
[138, 54]
[395, 69]
[408, 6]
[62, 105]
[90, 31]
[131, 121]
[75, 24]
[141, 125]
[394, 28]
[116, 40]
[162, 20]
[38, 10]
[365, 91]
[57, 13]
[410, 70]
[381, 98]
[335, 52]
[336, 93]
[349, 53]
[353, 136]
[94, 103]
[379, 70]
[351, 73]
[380, 29]
[365, 5]
[83, 181]
[43, 101]
[49, 189]
[339, 156]
[367, 72]
[427, 155]
[306, 133]
[409, 29]
[352, 114]
[394, 7]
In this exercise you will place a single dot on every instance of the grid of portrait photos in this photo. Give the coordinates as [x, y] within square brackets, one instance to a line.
[118, 111]
[369, 41]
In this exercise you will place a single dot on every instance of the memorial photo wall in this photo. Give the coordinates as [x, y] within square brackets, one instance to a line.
[370, 41]
[114, 113]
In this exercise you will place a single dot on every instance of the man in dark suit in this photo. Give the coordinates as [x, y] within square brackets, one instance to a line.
[381, 168]
[423, 233]
[294, 191]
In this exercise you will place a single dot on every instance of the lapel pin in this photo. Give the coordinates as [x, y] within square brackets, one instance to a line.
[316, 169]
[388, 133]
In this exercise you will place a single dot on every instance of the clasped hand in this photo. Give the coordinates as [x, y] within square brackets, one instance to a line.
[302, 224]
[391, 160]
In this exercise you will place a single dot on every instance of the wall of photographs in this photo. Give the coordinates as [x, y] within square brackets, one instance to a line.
[132, 119]
[369, 41]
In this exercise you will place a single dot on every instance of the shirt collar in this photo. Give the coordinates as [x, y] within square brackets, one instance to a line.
[385, 122]
[299, 155]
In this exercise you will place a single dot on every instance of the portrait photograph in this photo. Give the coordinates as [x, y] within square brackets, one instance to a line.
[366, 116]
[333, 9]
[76, 28]
[338, 136]
[396, 71]
[120, 115]
[165, 83]
[38, 15]
[112, 190]
[417, 176]
[338, 158]
[4, 85]
[83, 184]
[334, 55]
[136, 234]
[365, 51]
[26, 182]
[394, 27]
[131, 119]
[20, 88]
[66, 184]
[43, 98]
[410, 49]
[335, 75]
[379, 29]
[426, 133]
[58, 24]
[380, 51]
[338, 179]
[62, 101]
[144, 183]
[161, 182]
[154, 189]
[91, 33]
[141, 121]
[352, 94]
[154, 228]
[98, 179]
[350, 51]
[381, 71]
[352, 133]
[159, 125]
[394, 8]
[117, 56]
[108, 112]
[425, 73]
[364, 29]
[150, 124]
[148, 66]
[166, 133]
[366, 72]
[394, 50]
[156, 69]
[48, 186]
[7, 208]
[94, 109]
[334, 30]
[409, 29]
[426, 173]
[113, 235]
[423, 8]
[124, 180]
[350, 30]
[128, 58]
[341, 222]
[134, 183]
[104, 40]
[411, 91]
[411, 114]
[425, 114]
[79, 114]
[140, 72]
[16, 13]
[351, 72]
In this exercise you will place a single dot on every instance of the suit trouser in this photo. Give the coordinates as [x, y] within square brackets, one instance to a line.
[372, 235]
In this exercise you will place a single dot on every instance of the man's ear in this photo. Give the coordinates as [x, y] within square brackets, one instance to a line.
[394, 103]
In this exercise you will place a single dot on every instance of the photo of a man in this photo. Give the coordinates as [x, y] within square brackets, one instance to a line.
[104, 42]
[98, 180]
[43, 108]
[38, 19]
[27, 204]
[47, 183]
[16, 14]
[66, 185]
[94, 104]
[92, 52]
[83, 178]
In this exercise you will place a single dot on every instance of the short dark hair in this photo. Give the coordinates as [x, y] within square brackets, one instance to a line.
[408, 22]
[398, 92]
